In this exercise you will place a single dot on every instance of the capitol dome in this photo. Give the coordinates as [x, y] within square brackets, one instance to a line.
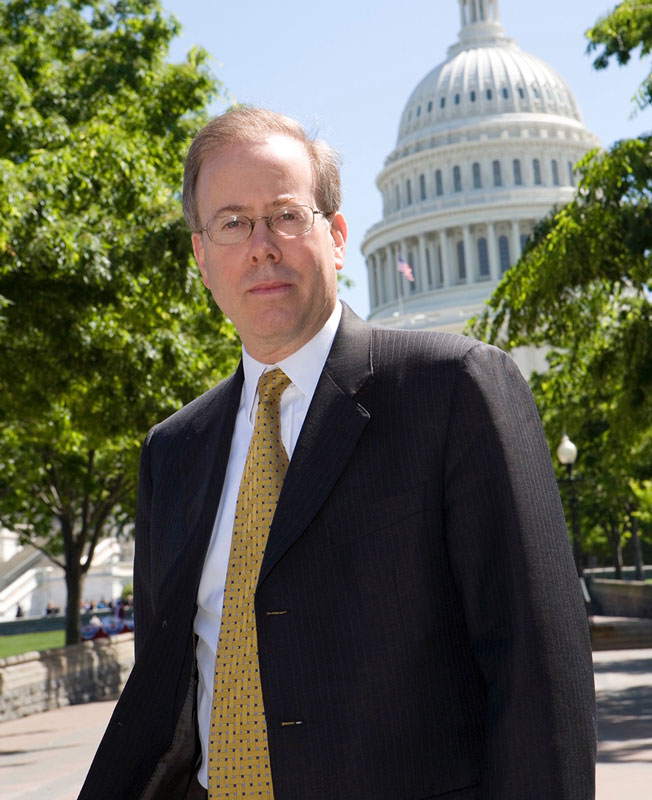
[486, 146]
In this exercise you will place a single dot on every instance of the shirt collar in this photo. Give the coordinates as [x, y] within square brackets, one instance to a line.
[303, 368]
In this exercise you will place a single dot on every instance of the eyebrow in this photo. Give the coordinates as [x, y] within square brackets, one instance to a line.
[288, 200]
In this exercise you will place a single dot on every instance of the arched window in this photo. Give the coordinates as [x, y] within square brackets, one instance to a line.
[429, 106]
[505, 93]
[477, 177]
[408, 192]
[489, 94]
[461, 262]
[483, 257]
[498, 178]
[503, 251]
[457, 99]
[518, 177]
[472, 96]
[422, 187]
[457, 179]
[439, 183]
[442, 102]
[555, 172]
[536, 169]
[571, 174]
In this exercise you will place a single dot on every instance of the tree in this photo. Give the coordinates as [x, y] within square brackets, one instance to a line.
[104, 328]
[582, 289]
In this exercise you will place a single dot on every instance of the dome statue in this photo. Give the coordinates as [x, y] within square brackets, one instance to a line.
[486, 146]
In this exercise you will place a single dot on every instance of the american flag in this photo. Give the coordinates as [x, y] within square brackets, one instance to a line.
[405, 268]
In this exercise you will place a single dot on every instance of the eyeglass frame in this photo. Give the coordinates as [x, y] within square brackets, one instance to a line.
[253, 220]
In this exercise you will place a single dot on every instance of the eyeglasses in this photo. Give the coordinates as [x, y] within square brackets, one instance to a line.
[237, 228]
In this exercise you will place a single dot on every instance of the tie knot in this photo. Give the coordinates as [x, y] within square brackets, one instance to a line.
[271, 385]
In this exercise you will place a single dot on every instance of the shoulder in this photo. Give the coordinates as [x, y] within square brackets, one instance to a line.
[201, 413]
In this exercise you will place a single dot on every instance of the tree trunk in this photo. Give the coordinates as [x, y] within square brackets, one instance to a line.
[638, 553]
[74, 585]
[615, 540]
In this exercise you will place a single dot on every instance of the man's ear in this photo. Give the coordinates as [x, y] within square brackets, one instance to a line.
[339, 231]
[200, 257]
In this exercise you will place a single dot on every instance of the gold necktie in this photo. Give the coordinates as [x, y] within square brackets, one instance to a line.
[238, 758]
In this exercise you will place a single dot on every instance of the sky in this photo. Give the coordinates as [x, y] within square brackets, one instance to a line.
[346, 68]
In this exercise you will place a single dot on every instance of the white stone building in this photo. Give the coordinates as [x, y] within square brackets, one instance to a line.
[486, 147]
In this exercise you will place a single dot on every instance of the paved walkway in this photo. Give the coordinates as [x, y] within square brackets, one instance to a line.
[46, 756]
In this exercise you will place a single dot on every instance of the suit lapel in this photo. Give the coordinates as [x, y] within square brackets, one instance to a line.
[203, 462]
[333, 425]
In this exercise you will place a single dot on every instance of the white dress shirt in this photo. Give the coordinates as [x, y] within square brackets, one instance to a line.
[304, 369]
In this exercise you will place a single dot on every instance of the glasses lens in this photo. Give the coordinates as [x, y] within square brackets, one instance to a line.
[229, 230]
[292, 221]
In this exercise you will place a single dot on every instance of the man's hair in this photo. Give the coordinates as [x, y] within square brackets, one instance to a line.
[248, 125]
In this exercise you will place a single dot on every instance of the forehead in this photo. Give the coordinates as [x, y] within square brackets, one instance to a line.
[258, 170]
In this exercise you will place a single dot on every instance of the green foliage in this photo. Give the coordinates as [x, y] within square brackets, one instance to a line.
[104, 326]
[582, 290]
[628, 27]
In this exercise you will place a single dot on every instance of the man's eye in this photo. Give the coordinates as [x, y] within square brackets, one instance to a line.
[287, 215]
[232, 223]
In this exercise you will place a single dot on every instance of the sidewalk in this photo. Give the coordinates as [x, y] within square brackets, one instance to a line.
[46, 756]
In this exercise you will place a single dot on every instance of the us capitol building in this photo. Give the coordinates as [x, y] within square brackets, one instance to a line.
[486, 147]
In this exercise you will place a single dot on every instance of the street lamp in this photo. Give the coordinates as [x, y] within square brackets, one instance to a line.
[567, 454]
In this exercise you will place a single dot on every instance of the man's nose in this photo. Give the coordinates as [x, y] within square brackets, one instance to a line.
[264, 244]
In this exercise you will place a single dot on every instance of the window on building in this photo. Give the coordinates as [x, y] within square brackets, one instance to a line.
[398, 198]
[477, 177]
[535, 92]
[505, 93]
[408, 192]
[457, 99]
[524, 238]
[489, 94]
[457, 179]
[429, 106]
[536, 169]
[422, 187]
[439, 183]
[503, 252]
[521, 93]
[518, 177]
[440, 266]
[571, 174]
[472, 96]
[498, 178]
[555, 172]
[418, 111]
[483, 257]
[461, 262]
[442, 102]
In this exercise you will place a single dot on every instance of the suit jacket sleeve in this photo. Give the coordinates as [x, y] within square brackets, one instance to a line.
[143, 600]
[510, 553]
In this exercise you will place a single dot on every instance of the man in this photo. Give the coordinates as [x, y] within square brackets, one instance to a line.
[414, 626]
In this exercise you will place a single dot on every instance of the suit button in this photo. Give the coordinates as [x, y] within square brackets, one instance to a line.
[275, 613]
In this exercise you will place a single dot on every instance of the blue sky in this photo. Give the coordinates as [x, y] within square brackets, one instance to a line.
[346, 70]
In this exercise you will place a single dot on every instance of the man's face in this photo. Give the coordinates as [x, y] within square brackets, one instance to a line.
[277, 291]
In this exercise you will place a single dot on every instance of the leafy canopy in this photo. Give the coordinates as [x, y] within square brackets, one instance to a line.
[104, 326]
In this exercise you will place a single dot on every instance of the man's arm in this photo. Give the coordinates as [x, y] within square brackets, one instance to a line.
[513, 565]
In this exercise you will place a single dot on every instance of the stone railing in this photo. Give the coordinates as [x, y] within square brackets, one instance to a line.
[614, 598]
[38, 681]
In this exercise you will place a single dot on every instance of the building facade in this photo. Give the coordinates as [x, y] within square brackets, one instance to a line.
[486, 146]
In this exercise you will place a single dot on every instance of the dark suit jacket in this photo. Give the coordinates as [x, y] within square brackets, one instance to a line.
[435, 643]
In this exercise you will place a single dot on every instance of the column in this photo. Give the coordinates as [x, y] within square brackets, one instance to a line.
[446, 258]
[393, 273]
[516, 242]
[423, 264]
[469, 254]
[494, 261]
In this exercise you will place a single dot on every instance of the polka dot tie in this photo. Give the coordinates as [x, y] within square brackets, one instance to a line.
[238, 758]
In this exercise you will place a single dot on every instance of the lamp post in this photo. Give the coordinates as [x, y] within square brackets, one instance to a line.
[567, 454]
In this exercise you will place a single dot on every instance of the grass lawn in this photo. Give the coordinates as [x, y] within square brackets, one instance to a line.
[24, 642]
